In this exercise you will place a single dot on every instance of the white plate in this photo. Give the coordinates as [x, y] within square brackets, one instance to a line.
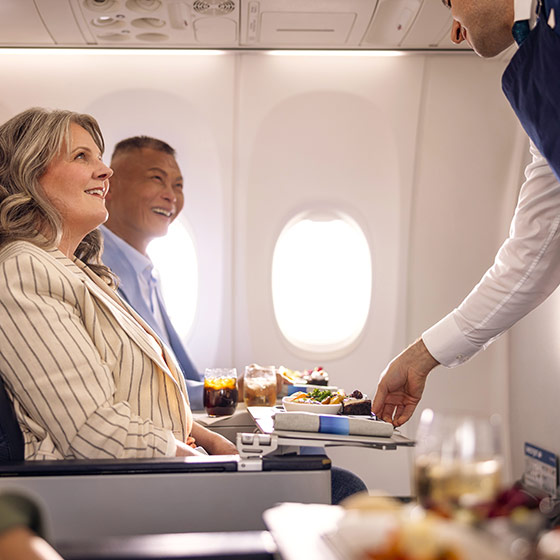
[360, 531]
[291, 406]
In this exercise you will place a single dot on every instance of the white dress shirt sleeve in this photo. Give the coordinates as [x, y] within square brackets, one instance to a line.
[525, 272]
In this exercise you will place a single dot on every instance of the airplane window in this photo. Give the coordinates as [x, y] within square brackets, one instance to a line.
[175, 258]
[321, 282]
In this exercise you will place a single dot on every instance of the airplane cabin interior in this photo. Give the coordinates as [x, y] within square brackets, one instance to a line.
[349, 176]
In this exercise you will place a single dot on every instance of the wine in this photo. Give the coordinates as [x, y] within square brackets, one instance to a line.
[447, 486]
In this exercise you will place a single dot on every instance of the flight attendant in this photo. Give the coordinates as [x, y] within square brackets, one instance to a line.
[527, 266]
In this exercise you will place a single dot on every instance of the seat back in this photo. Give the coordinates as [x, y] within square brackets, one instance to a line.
[11, 438]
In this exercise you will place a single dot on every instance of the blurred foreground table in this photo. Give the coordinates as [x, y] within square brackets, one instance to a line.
[250, 545]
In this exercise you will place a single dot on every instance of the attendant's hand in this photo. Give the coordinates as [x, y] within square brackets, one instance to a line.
[402, 383]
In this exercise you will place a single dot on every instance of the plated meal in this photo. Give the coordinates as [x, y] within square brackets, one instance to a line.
[380, 528]
[327, 401]
[315, 376]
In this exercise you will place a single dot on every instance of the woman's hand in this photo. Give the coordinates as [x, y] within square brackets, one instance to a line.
[187, 450]
[214, 443]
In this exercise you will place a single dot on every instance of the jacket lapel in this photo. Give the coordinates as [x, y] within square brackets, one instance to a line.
[129, 320]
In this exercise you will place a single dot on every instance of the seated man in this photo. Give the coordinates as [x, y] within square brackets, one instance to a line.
[145, 196]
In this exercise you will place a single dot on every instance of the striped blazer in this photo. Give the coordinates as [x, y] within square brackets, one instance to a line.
[88, 377]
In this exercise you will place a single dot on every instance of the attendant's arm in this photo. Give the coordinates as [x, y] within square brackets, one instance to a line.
[53, 365]
[525, 272]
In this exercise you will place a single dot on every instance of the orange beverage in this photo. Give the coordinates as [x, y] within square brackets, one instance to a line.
[220, 394]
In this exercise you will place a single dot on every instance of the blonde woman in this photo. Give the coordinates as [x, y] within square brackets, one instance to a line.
[87, 376]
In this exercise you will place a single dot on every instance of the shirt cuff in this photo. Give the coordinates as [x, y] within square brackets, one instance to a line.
[447, 344]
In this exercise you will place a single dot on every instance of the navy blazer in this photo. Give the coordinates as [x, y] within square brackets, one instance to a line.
[129, 290]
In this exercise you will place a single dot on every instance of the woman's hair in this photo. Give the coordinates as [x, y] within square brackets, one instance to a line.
[28, 143]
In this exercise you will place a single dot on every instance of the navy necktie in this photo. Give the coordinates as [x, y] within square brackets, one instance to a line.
[520, 31]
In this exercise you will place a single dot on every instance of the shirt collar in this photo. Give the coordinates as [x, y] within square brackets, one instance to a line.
[141, 264]
[525, 10]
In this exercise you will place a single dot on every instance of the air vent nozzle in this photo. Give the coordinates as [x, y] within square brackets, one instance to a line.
[213, 7]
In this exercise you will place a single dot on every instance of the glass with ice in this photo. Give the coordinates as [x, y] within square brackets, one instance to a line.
[220, 391]
[259, 386]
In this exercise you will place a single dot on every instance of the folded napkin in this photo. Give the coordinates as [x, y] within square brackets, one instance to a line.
[331, 424]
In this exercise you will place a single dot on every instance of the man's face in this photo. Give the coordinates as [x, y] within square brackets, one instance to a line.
[484, 24]
[146, 195]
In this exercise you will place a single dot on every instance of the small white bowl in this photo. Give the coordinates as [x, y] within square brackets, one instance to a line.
[292, 406]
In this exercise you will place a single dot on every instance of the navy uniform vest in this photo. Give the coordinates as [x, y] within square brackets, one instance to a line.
[531, 83]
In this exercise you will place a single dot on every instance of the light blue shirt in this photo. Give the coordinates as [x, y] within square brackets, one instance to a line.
[135, 272]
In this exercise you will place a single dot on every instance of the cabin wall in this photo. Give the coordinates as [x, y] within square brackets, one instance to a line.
[421, 150]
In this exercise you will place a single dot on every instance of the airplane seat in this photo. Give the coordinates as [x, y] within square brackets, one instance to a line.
[11, 438]
[127, 497]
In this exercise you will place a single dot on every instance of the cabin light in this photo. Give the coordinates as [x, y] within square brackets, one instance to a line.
[354, 53]
[95, 51]
[107, 21]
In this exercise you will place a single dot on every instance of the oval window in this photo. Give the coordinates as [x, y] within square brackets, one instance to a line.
[321, 281]
[179, 276]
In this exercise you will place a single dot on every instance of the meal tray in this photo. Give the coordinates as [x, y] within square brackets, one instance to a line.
[264, 419]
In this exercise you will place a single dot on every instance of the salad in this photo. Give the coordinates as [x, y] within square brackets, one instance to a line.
[318, 396]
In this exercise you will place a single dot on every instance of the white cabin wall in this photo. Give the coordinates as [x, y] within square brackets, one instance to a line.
[184, 99]
[422, 150]
[313, 134]
[535, 380]
[333, 131]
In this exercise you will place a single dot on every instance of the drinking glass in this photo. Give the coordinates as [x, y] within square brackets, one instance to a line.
[458, 462]
[259, 386]
[220, 391]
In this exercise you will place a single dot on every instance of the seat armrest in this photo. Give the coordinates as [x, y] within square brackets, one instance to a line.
[215, 463]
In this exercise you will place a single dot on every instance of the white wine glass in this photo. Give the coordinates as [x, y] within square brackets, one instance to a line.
[458, 461]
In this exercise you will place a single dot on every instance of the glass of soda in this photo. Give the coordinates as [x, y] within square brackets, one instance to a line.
[220, 391]
[259, 386]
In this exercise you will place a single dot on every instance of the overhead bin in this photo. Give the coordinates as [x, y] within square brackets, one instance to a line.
[227, 24]
[21, 25]
[305, 23]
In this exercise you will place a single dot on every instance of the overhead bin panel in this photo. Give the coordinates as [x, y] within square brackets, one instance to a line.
[287, 28]
[20, 24]
[432, 22]
[305, 23]
[391, 22]
[410, 24]
[227, 24]
[61, 21]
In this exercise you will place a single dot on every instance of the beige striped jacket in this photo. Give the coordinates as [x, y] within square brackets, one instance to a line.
[88, 377]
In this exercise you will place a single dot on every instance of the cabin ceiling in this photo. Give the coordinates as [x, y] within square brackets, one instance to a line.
[227, 24]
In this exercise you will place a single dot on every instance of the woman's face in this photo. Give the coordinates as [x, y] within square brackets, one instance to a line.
[76, 182]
